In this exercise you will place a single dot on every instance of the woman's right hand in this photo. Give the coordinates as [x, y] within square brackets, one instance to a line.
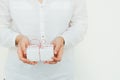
[22, 42]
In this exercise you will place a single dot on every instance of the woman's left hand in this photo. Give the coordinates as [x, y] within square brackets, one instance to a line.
[58, 44]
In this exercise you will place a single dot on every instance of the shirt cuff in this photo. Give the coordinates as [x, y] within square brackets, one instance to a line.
[67, 41]
[14, 35]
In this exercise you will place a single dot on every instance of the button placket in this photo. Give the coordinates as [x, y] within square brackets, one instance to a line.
[42, 23]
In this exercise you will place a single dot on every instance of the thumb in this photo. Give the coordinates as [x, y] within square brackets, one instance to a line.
[57, 48]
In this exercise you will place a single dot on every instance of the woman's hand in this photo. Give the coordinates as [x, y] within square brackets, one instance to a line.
[22, 43]
[58, 44]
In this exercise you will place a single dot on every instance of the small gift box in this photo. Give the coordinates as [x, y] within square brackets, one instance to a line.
[40, 52]
[46, 53]
[33, 53]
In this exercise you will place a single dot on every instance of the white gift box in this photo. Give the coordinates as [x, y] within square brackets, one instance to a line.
[46, 53]
[33, 53]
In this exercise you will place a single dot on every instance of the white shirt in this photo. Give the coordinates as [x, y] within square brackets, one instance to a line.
[66, 18]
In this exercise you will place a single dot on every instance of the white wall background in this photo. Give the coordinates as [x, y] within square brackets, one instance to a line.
[98, 56]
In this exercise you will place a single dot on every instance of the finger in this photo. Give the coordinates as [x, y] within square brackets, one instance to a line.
[57, 48]
[21, 56]
[33, 62]
[28, 62]
[50, 62]
[59, 56]
[23, 47]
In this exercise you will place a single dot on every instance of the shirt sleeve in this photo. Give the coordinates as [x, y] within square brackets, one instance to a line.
[7, 35]
[78, 25]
